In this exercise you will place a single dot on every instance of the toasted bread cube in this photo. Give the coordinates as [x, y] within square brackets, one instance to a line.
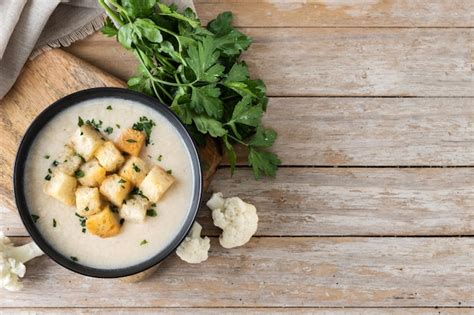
[115, 189]
[134, 170]
[62, 187]
[134, 209]
[88, 201]
[103, 223]
[68, 161]
[156, 183]
[86, 140]
[130, 141]
[94, 174]
[109, 157]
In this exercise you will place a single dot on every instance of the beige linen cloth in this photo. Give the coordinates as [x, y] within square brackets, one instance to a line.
[30, 27]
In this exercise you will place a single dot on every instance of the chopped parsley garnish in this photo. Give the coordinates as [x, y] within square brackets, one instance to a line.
[86, 209]
[109, 107]
[82, 220]
[83, 230]
[114, 209]
[80, 122]
[82, 133]
[47, 156]
[138, 192]
[49, 171]
[144, 242]
[79, 173]
[109, 130]
[55, 163]
[131, 141]
[153, 205]
[54, 222]
[145, 124]
[34, 217]
[95, 124]
[117, 125]
[122, 221]
[136, 168]
[74, 258]
[151, 213]
[169, 172]
[47, 177]
[121, 181]
[159, 158]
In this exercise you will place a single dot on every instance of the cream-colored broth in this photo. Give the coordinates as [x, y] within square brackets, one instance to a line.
[124, 249]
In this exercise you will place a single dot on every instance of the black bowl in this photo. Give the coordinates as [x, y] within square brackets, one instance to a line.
[43, 119]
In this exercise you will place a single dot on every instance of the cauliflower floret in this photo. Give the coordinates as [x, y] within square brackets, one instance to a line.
[194, 248]
[12, 260]
[237, 219]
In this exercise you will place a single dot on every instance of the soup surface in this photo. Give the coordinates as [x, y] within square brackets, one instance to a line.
[136, 242]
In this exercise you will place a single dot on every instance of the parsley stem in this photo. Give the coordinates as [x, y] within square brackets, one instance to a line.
[237, 140]
[111, 13]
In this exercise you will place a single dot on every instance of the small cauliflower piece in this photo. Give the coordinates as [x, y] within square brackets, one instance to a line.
[134, 209]
[109, 156]
[12, 262]
[115, 189]
[156, 183]
[130, 141]
[86, 140]
[103, 224]
[194, 249]
[88, 201]
[216, 202]
[68, 161]
[237, 219]
[94, 174]
[134, 170]
[62, 187]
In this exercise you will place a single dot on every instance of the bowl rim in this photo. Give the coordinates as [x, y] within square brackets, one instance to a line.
[43, 119]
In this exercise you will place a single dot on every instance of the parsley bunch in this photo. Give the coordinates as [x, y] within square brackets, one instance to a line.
[197, 72]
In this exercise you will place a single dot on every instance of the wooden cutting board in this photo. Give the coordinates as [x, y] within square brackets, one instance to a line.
[43, 80]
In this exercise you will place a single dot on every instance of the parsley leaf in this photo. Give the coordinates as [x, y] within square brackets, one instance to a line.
[263, 162]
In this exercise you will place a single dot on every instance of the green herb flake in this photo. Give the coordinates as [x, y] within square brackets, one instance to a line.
[153, 205]
[109, 130]
[169, 172]
[83, 230]
[136, 168]
[74, 258]
[122, 221]
[143, 242]
[47, 156]
[151, 213]
[122, 181]
[49, 171]
[80, 122]
[109, 107]
[117, 125]
[47, 177]
[114, 209]
[131, 141]
[159, 158]
[86, 209]
[55, 163]
[54, 222]
[34, 217]
[146, 125]
[79, 174]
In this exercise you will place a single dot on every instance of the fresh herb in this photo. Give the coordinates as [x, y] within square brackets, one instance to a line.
[160, 157]
[121, 181]
[79, 173]
[138, 192]
[64, 161]
[144, 242]
[49, 171]
[95, 124]
[82, 220]
[109, 130]
[153, 205]
[169, 172]
[54, 222]
[196, 71]
[34, 217]
[136, 168]
[47, 156]
[151, 213]
[122, 221]
[145, 124]
[82, 133]
[131, 141]
[117, 125]
[55, 163]
[74, 258]
[109, 107]
[80, 121]
[114, 209]
[47, 177]
[83, 230]
[86, 209]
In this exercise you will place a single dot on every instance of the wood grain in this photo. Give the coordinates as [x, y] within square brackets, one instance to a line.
[337, 61]
[345, 202]
[346, 13]
[277, 272]
[246, 310]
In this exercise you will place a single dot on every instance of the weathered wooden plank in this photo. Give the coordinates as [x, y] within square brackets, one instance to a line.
[337, 13]
[277, 272]
[230, 311]
[341, 202]
[337, 61]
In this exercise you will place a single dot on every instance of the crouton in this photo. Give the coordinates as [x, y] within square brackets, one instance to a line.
[115, 189]
[92, 174]
[109, 157]
[62, 187]
[68, 161]
[86, 140]
[88, 201]
[156, 183]
[130, 141]
[134, 170]
[134, 209]
[103, 223]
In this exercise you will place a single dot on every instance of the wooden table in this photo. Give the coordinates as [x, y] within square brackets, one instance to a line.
[373, 209]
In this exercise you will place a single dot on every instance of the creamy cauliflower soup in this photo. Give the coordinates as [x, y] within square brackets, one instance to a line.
[109, 183]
